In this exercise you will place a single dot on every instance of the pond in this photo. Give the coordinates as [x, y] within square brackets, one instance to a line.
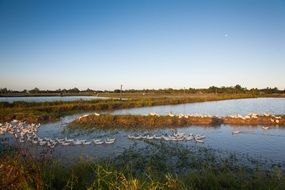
[253, 141]
[217, 108]
[48, 98]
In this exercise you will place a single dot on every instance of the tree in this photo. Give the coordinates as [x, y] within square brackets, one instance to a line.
[89, 90]
[238, 87]
[117, 91]
[3, 90]
[35, 90]
[74, 90]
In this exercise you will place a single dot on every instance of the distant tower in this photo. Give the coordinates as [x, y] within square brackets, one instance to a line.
[121, 92]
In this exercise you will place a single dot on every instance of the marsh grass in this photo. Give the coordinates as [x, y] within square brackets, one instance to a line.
[158, 166]
[51, 111]
[109, 121]
[140, 121]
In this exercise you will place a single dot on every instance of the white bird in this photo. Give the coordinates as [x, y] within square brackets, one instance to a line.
[178, 134]
[157, 137]
[199, 141]
[65, 143]
[200, 137]
[153, 114]
[138, 137]
[87, 142]
[98, 142]
[235, 132]
[109, 141]
[42, 143]
[189, 138]
[149, 137]
[77, 142]
[165, 138]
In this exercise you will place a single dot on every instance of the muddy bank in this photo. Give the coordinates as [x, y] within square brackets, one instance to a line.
[132, 121]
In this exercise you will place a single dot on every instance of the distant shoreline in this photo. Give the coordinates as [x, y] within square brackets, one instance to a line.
[43, 95]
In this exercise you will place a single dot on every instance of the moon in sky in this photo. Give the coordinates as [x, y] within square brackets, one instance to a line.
[226, 35]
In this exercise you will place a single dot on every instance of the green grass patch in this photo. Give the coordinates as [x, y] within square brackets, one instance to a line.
[158, 166]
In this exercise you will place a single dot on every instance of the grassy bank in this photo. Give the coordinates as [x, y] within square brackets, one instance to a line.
[137, 121]
[159, 166]
[51, 111]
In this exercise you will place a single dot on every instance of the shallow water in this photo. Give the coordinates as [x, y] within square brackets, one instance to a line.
[252, 141]
[217, 108]
[48, 98]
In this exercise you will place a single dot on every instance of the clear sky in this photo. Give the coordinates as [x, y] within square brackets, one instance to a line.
[141, 43]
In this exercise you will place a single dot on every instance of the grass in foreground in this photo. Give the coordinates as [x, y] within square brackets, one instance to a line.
[158, 166]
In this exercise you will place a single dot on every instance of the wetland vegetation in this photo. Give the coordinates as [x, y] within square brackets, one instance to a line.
[153, 120]
[158, 166]
[51, 111]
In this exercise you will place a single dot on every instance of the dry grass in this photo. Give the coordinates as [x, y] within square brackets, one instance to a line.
[136, 121]
[20, 172]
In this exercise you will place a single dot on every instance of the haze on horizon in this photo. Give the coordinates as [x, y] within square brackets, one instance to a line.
[141, 44]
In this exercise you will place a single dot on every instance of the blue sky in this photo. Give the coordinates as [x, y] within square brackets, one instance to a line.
[141, 44]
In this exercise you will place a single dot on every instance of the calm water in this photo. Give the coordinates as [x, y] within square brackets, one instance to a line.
[218, 108]
[48, 98]
[253, 141]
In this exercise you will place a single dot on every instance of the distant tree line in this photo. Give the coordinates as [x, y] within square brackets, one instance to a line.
[237, 89]
[38, 91]
[213, 89]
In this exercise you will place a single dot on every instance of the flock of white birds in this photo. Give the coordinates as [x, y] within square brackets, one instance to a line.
[181, 115]
[25, 132]
[175, 137]
[274, 119]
